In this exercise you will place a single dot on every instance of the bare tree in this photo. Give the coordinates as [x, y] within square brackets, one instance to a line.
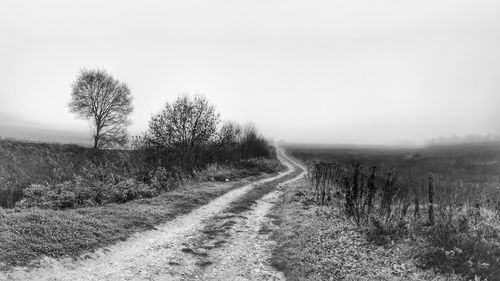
[184, 128]
[106, 103]
[253, 144]
[228, 140]
[229, 133]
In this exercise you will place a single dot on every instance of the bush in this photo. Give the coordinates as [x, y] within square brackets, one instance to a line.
[77, 193]
[25, 163]
[38, 195]
[466, 243]
[263, 164]
[382, 232]
[10, 193]
[130, 190]
[162, 179]
[66, 199]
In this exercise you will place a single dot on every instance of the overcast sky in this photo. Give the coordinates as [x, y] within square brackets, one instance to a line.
[303, 71]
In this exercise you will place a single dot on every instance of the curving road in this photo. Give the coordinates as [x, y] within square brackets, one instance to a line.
[158, 254]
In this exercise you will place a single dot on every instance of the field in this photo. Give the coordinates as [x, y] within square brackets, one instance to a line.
[440, 203]
[146, 238]
[361, 213]
[462, 174]
[28, 234]
[64, 200]
[26, 163]
[60, 176]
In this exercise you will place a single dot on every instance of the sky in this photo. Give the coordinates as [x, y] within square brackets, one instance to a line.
[352, 71]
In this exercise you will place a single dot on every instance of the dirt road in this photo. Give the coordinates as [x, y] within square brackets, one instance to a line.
[163, 254]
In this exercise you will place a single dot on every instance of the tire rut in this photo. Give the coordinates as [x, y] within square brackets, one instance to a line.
[247, 247]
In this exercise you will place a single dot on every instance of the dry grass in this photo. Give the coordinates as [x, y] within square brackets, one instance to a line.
[28, 234]
[71, 197]
[317, 243]
[67, 176]
[453, 187]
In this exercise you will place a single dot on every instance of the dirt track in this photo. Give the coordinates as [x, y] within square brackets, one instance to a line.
[160, 254]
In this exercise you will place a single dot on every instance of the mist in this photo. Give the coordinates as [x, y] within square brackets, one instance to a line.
[355, 72]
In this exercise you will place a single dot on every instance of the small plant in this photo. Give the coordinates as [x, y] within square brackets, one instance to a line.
[431, 201]
[462, 245]
[163, 180]
[389, 193]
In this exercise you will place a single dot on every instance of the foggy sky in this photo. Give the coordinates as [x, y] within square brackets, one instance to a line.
[363, 72]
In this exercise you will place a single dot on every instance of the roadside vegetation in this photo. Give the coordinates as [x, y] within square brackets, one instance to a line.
[440, 203]
[30, 234]
[61, 200]
[316, 242]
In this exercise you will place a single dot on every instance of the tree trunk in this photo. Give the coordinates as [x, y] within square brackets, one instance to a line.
[96, 141]
[416, 211]
[431, 202]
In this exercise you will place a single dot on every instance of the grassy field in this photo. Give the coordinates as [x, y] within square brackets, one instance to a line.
[28, 234]
[466, 173]
[64, 200]
[316, 242]
[26, 163]
[59, 176]
[440, 203]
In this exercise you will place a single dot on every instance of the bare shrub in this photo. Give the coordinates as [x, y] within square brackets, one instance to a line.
[182, 130]
[463, 242]
[186, 134]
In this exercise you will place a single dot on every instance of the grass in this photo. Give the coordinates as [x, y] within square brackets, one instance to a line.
[455, 187]
[317, 243]
[66, 176]
[38, 162]
[66, 200]
[466, 173]
[25, 163]
[29, 234]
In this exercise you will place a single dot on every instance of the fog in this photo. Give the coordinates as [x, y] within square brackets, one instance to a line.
[360, 72]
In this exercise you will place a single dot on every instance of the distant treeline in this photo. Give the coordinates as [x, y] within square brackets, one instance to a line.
[471, 138]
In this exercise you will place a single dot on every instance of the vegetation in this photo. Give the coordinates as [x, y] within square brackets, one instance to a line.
[185, 134]
[445, 199]
[24, 163]
[316, 242]
[88, 199]
[28, 234]
[106, 103]
[182, 141]
[68, 199]
[182, 130]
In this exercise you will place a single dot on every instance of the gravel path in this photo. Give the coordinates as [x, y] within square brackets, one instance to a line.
[159, 255]
[245, 256]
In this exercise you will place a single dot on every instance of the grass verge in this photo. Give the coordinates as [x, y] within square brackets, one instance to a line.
[26, 235]
[317, 243]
